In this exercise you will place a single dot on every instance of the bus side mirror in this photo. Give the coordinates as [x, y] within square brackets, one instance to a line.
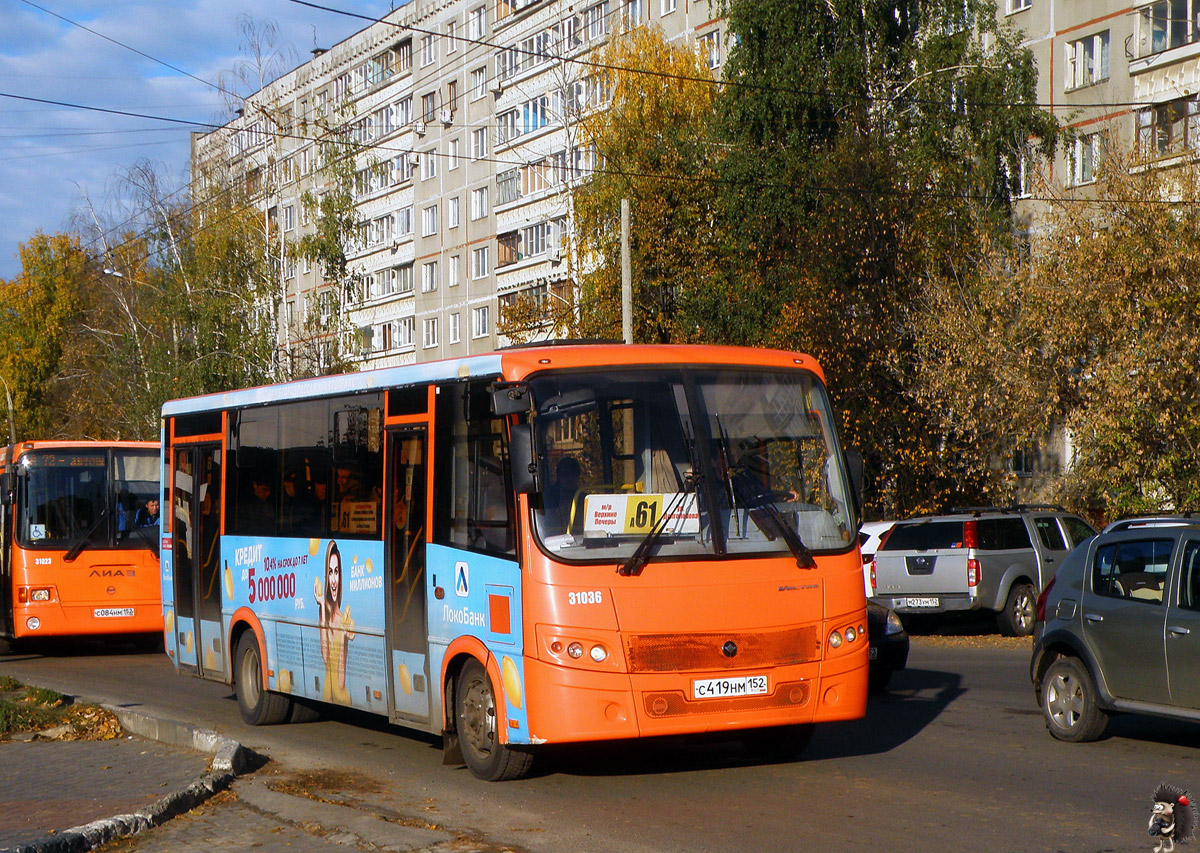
[7, 491]
[526, 467]
[510, 399]
[854, 467]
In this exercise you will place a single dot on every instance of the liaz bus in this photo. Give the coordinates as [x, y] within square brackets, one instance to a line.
[79, 541]
[539, 546]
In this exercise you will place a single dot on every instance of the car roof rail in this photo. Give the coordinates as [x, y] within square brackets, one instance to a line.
[1017, 507]
[1184, 519]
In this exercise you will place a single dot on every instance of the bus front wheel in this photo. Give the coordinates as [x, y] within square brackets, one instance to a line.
[478, 735]
[259, 707]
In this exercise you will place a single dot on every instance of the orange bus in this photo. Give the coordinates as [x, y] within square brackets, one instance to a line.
[543, 545]
[78, 546]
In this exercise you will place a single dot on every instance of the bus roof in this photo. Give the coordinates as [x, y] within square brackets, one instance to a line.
[512, 365]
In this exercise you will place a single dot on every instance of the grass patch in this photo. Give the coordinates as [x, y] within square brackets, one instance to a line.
[35, 709]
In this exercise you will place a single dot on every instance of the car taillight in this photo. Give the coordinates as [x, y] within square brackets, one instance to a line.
[972, 572]
[1041, 601]
[970, 534]
[874, 584]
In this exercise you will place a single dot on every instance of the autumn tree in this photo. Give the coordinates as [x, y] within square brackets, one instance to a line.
[860, 137]
[44, 304]
[1090, 336]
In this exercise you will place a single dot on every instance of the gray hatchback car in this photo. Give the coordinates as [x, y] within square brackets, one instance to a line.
[1119, 628]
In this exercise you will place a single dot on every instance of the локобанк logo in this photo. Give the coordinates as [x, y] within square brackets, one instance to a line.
[462, 579]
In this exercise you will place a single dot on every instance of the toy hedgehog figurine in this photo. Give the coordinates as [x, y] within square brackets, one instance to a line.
[1172, 819]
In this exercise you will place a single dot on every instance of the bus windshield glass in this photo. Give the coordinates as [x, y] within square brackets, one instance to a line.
[97, 498]
[708, 462]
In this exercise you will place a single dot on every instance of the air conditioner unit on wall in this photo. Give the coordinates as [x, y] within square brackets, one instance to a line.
[419, 127]
[555, 253]
[446, 116]
[497, 86]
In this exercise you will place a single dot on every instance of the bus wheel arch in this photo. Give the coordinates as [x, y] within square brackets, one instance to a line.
[259, 706]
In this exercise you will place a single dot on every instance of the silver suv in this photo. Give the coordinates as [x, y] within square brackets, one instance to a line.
[979, 558]
[1119, 628]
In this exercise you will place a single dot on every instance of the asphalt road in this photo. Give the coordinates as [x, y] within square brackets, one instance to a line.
[954, 756]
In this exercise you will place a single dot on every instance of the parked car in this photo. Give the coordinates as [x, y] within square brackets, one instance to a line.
[888, 645]
[869, 536]
[1119, 628]
[980, 558]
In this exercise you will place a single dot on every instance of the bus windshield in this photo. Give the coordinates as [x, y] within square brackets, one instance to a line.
[710, 462]
[95, 498]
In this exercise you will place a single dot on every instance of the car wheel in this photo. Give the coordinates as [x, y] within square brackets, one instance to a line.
[478, 735]
[1069, 702]
[778, 743]
[1020, 611]
[259, 707]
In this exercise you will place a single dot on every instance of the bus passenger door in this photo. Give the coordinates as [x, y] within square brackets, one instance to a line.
[196, 513]
[406, 512]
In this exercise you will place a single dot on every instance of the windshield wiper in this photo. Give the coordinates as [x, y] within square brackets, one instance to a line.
[641, 554]
[81, 543]
[761, 508]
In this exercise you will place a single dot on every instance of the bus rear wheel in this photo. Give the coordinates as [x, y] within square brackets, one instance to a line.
[259, 707]
[478, 735]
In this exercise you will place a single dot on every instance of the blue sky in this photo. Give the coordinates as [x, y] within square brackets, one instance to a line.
[53, 159]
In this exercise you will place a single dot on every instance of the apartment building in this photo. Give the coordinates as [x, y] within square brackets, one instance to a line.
[464, 115]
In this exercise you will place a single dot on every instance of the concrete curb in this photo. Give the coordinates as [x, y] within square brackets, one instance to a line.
[228, 761]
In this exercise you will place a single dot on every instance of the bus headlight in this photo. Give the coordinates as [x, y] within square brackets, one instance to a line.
[39, 594]
[850, 635]
[835, 640]
[599, 653]
[575, 650]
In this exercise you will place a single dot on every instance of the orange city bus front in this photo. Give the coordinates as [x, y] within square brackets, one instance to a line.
[79, 564]
[681, 625]
[690, 560]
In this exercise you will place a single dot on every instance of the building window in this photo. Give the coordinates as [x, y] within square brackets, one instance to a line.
[428, 165]
[1169, 128]
[477, 22]
[429, 277]
[428, 50]
[1021, 174]
[479, 143]
[710, 48]
[429, 332]
[508, 126]
[429, 220]
[668, 6]
[1019, 5]
[452, 212]
[1167, 24]
[429, 107]
[289, 218]
[451, 37]
[404, 221]
[595, 20]
[1087, 61]
[479, 203]
[406, 329]
[402, 111]
[452, 154]
[404, 55]
[480, 262]
[479, 84]
[453, 271]
[404, 280]
[508, 186]
[455, 335]
[1084, 153]
[480, 322]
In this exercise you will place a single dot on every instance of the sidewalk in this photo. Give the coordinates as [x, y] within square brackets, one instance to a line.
[73, 796]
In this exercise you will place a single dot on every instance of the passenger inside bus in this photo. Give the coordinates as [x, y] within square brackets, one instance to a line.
[259, 513]
[148, 515]
[560, 494]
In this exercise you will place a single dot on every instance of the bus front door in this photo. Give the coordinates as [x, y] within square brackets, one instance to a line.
[407, 515]
[196, 514]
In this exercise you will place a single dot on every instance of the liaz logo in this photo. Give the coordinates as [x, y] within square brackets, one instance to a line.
[111, 573]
